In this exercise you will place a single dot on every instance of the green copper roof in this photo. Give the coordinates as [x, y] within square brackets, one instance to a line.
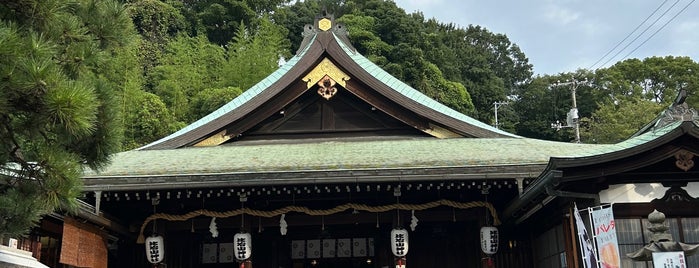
[410, 92]
[627, 144]
[356, 154]
[339, 155]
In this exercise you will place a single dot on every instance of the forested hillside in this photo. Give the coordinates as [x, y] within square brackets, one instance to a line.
[193, 56]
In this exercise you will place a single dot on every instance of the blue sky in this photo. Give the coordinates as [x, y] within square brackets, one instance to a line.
[564, 35]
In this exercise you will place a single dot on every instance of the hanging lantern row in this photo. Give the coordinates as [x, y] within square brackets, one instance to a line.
[259, 191]
[155, 250]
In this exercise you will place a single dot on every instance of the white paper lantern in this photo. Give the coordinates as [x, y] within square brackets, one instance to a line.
[399, 242]
[155, 249]
[243, 246]
[489, 240]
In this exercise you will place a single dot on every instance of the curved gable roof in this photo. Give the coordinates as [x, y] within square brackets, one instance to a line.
[284, 85]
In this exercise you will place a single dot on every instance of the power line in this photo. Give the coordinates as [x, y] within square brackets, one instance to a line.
[628, 35]
[639, 35]
[661, 27]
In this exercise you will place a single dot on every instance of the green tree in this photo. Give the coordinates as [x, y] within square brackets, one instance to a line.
[364, 39]
[188, 65]
[616, 121]
[220, 20]
[210, 99]
[254, 53]
[146, 119]
[157, 22]
[657, 79]
[632, 92]
[58, 109]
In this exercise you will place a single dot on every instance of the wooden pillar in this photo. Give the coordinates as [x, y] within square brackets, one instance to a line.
[570, 240]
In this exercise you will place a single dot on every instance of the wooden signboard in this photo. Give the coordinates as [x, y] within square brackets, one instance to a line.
[82, 245]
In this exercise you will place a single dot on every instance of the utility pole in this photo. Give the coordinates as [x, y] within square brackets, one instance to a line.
[497, 105]
[572, 119]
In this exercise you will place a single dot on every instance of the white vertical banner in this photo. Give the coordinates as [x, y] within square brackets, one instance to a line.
[673, 259]
[605, 237]
[586, 247]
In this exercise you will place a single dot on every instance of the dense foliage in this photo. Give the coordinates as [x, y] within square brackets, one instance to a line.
[60, 84]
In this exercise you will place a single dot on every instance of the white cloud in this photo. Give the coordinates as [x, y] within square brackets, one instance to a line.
[560, 15]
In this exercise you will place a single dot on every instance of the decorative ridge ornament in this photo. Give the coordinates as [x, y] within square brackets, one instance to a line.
[326, 87]
[675, 194]
[679, 110]
[685, 160]
[325, 24]
[325, 68]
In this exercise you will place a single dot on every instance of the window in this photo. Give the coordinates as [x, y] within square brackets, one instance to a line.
[690, 235]
[633, 234]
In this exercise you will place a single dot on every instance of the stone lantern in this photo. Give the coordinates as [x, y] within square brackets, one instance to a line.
[660, 240]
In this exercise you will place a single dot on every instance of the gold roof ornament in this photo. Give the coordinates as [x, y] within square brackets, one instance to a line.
[325, 24]
[325, 68]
